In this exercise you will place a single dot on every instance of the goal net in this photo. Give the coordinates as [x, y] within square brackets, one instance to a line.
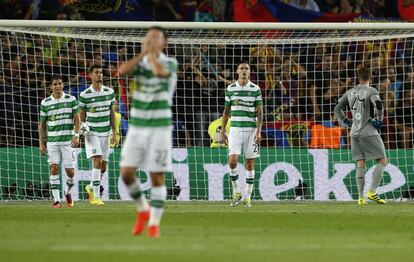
[301, 69]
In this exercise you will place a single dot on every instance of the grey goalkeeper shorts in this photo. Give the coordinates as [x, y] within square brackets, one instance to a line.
[367, 148]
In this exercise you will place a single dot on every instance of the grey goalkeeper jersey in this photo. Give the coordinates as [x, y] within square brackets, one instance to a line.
[365, 104]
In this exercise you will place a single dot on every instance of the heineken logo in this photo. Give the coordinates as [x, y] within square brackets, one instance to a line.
[58, 117]
[243, 103]
[99, 109]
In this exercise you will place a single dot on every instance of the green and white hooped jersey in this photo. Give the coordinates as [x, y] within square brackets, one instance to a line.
[152, 98]
[58, 114]
[97, 106]
[243, 101]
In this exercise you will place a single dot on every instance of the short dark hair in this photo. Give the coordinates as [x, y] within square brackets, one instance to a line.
[364, 74]
[93, 67]
[55, 77]
[159, 28]
[242, 62]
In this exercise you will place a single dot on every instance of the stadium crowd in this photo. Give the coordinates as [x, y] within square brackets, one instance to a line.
[300, 83]
[187, 10]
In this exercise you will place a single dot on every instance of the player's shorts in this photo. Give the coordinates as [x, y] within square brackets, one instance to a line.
[148, 149]
[367, 148]
[239, 139]
[58, 154]
[97, 146]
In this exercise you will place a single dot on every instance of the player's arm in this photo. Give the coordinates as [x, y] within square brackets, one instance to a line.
[259, 115]
[42, 130]
[339, 113]
[224, 120]
[379, 108]
[129, 66]
[225, 116]
[377, 122]
[82, 109]
[76, 123]
[42, 137]
[113, 121]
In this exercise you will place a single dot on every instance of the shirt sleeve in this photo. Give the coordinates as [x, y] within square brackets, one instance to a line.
[82, 103]
[259, 100]
[338, 111]
[376, 101]
[75, 106]
[227, 101]
[43, 113]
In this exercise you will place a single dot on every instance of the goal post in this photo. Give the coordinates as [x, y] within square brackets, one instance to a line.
[301, 68]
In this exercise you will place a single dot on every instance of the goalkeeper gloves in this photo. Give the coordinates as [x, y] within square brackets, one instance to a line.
[347, 122]
[377, 124]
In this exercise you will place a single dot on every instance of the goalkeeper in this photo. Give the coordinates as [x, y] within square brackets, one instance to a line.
[366, 123]
[58, 115]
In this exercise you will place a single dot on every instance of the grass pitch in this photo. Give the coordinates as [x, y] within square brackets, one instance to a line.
[204, 231]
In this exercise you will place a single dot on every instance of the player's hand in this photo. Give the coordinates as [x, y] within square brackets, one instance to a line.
[43, 149]
[75, 141]
[113, 139]
[224, 138]
[258, 138]
[347, 122]
[377, 124]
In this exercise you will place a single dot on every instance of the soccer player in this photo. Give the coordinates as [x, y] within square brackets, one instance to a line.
[366, 123]
[148, 143]
[243, 102]
[97, 109]
[58, 117]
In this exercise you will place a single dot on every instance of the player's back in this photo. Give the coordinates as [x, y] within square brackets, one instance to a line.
[359, 100]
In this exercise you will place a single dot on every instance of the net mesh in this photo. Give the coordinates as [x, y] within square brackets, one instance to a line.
[301, 73]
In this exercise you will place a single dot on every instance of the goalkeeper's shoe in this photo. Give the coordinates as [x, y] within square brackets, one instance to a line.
[362, 201]
[236, 199]
[89, 190]
[140, 222]
[69, 200]
[154, 231]
[57, 205]
[97, 201]
[248, 202]
[375, 197]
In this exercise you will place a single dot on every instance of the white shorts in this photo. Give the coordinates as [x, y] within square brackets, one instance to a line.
[148, 149]
[245, 140]
[97, 146]
[58, 154]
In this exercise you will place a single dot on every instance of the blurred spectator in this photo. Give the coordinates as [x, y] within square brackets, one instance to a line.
[406, 9]
[405, 119]
[329, 6]
[309, 5]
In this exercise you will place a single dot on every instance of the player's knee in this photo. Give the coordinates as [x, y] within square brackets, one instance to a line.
[97, 162]
[54, 169]
[127, 176]
[249, 164]
[384, 161]
[70, 172]
[232, 162]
